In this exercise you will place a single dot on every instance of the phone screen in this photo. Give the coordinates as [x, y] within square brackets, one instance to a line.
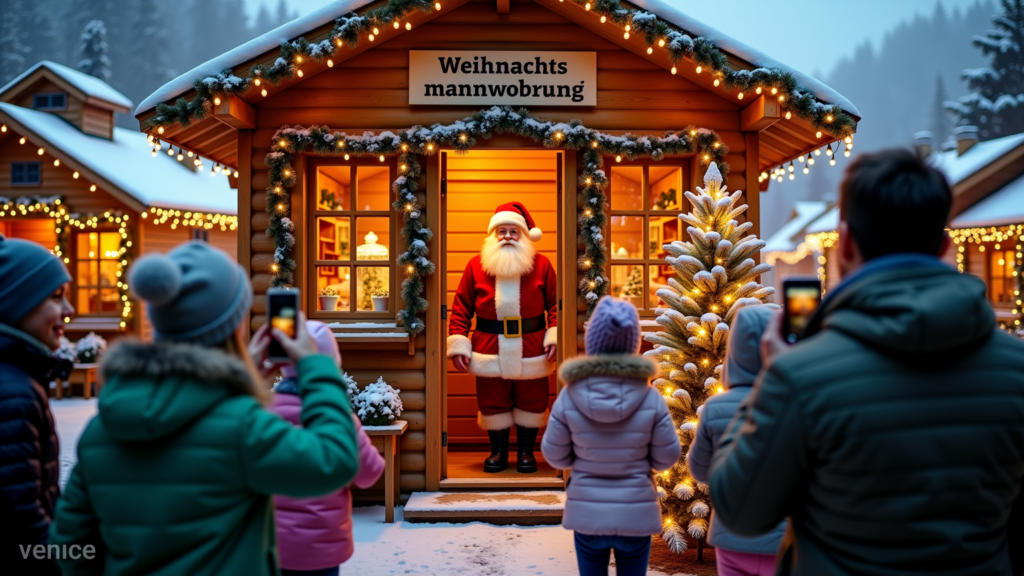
[801, 301]
[283, 310]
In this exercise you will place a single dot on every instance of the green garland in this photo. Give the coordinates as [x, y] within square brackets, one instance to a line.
[656, 32]
[462, 135]
[53, 207]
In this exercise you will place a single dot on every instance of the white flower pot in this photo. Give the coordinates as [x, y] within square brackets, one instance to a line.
[328, 303]
[380, 303]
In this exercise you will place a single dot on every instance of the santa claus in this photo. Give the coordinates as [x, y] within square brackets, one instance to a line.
[511, 290]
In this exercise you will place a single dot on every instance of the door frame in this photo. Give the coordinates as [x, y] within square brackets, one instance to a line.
[436, 290]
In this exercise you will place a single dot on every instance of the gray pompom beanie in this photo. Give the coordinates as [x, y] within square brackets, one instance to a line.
[30, 274]
[743, 350]
[614, 328]
[194, 293]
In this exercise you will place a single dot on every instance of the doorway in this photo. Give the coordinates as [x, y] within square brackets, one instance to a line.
[474, 183]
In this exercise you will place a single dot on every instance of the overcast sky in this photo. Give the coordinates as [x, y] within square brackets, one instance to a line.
[810, 35]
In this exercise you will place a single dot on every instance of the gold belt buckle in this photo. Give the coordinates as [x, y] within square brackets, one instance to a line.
[517, 326]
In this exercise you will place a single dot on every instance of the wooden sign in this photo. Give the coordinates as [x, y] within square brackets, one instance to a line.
[536, 78]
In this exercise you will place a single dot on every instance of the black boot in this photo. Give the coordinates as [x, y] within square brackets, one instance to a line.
[525, 439]
[498, 460]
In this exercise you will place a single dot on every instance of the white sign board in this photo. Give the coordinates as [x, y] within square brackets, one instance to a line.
[455, 77]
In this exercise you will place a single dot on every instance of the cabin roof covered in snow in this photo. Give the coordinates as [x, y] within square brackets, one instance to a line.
[88, 85]
[827, 222]
[273, 39]
[789, 237]
[125, 162]
[1005, 206]
[960, 167]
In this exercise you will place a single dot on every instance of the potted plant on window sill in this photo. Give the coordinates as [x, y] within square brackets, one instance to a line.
[381, 300]
[328, 299]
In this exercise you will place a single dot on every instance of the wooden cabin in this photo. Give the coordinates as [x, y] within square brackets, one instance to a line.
[98, 195]
[347, 235]
[987, 221]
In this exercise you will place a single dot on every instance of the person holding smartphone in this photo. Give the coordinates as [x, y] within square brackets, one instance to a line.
[892, 432]
[176, 473]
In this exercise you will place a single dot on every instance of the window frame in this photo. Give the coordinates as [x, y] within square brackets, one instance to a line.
[39, 171]
[49, 102]
[77, 284]
[312, 233]
[683, 163]
[1008, 280]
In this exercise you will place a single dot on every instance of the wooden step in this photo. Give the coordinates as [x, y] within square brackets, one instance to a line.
[518, 483]
[523, 508]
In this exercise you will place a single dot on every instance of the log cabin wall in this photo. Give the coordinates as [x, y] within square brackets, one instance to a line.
[370, 92]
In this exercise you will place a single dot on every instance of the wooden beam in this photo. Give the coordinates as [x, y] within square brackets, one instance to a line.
[236, 113]
[244, 210]
[503, 6]
[761, 114]
[436, 358]
[752, 193]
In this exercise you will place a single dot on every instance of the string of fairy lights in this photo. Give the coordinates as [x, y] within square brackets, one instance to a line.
[651, 31]
[781, 172]
[1003, 237]
[156, 146]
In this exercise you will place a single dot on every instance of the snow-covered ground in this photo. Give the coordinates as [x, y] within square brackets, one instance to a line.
[403, 548]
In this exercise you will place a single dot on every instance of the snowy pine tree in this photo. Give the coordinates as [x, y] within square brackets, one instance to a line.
[13, 52]
[93, 51]
[941, 123]
[996, 102]
[715, 276]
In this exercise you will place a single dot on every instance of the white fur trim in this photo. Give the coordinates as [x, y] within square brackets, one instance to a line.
[488, 366]
[551, 337]
[459, 345]
[530, 419]
[502, 421]
[506, 297]
[507, 217]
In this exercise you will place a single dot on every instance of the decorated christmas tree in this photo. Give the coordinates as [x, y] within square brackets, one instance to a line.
[716, 275]
[373, 284]
[634, 283]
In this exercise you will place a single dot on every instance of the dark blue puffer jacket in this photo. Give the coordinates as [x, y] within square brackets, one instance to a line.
[29, 453]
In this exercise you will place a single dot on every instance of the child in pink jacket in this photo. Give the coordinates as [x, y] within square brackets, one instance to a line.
[314, 535]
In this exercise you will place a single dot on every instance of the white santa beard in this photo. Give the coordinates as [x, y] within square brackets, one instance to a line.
[513, 260]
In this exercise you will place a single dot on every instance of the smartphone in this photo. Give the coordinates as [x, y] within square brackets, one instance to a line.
[283, 307]
[801, 297]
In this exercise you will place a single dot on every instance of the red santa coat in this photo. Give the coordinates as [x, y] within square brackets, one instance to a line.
[483, 295]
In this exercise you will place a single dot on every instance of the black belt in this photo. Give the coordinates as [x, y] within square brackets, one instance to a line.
[513, 327]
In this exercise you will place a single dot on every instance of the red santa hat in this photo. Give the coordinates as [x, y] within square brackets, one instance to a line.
[515, 213]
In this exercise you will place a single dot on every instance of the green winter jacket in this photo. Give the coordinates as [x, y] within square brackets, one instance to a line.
[176, 472]
[893, 436]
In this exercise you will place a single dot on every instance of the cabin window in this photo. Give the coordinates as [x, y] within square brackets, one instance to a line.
[1000, 276]
[98, 267]
[201, 235]
[645, 202]
[353, 239]
[50, 101]
[26, 173]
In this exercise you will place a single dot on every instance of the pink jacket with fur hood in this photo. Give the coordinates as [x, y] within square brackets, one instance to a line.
[316, 533]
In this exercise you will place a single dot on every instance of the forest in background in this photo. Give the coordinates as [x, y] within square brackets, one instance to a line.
[899, 88]
[148, 42]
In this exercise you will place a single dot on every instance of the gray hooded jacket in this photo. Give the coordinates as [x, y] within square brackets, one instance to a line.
[742, 365]
[612, 428]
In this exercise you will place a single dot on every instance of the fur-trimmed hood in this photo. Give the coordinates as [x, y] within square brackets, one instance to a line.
[608, 388]
[152, 390]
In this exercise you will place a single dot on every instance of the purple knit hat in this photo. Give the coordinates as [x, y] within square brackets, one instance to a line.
[614, 328]
[326, 344]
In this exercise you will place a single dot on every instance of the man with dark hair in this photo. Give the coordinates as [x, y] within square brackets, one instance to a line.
[892, 434]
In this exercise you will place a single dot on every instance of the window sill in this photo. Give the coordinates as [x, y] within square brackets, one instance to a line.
[370, 333]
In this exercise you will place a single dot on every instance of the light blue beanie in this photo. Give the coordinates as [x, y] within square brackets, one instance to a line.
[194, 293]
[743, 350]
[29, 273]
[614, 328]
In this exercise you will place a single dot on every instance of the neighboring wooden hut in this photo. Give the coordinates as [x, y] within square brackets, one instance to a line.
[311, 195]
[93, 193]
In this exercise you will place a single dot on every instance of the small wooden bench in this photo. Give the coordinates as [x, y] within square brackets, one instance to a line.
[84, 374]
[392, 487]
